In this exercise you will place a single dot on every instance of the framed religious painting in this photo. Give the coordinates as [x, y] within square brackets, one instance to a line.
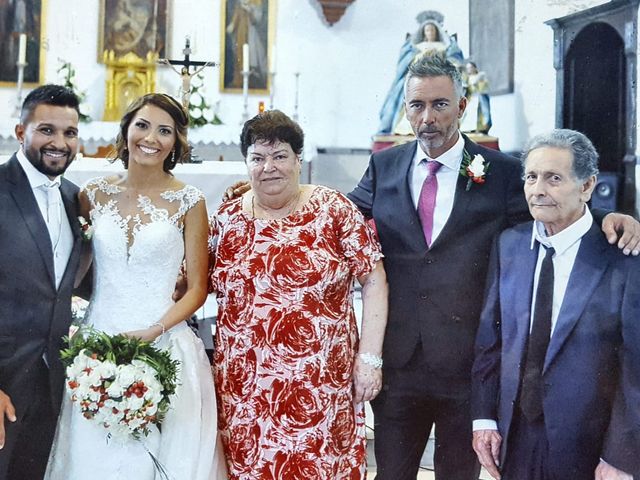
[22, 35]
[133, 26]
[247, 31]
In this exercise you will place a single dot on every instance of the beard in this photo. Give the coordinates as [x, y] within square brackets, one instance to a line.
[438, 141]
[52, 168]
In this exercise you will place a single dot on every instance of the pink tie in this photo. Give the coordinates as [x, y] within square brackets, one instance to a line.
[427, 200]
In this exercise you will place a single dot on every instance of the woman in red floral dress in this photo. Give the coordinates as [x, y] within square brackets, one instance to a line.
[291, 373]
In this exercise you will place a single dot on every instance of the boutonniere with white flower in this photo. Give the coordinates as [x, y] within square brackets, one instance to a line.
[474, 168]
[86, 229]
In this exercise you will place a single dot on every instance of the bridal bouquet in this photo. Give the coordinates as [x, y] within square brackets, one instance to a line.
[122, 383]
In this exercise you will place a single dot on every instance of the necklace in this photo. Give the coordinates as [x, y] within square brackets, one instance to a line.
[270, 217]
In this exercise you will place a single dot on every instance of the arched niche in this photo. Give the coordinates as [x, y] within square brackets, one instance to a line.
[594, 95]
[595, 61]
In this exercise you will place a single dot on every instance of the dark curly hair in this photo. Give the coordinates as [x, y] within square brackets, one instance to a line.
[177, 113]
[271, 126]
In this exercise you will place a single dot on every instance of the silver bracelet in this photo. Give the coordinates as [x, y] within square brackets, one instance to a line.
[370, 359]
[161, 325]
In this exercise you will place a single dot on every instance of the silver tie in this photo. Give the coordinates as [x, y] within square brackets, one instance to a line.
[54, 219]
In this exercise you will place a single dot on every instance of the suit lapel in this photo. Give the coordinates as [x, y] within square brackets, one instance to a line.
[70, 206]
[414, 225]
[28, 206]
[519, 293]
[589, 266]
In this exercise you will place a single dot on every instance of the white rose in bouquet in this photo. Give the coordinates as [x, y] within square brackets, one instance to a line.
[126, 375]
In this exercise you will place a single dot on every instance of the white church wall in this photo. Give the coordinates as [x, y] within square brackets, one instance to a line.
[345, 69]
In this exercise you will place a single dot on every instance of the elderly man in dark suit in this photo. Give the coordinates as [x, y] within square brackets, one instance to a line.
[40, 241]
[437, 204]
[556, 378]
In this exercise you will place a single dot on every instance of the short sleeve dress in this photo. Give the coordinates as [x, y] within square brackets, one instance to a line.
[287, 337]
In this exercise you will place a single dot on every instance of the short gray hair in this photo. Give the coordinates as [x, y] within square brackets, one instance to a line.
[434, 65]
[585, 156]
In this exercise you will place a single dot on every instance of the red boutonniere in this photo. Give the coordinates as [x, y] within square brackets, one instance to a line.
[85, 228]
[474, 168]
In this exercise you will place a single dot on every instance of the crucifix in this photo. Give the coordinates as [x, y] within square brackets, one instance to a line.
[186, 74]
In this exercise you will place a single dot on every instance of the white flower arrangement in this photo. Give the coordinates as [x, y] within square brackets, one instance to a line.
[200, 112]
[68, 78]
[121, 383]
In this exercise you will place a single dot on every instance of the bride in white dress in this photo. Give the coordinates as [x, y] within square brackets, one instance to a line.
[145, 223]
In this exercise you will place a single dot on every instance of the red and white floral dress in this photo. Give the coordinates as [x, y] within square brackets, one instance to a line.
[286, 339]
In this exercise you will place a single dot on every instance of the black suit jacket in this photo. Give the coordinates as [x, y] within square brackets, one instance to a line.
[591, 371]
[34, 315]
[436, 294]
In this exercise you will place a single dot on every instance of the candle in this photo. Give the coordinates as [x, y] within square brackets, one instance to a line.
[22, 49]
[245, 57]
[273, 60]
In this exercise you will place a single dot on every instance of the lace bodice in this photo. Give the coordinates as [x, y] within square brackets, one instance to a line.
[137, 249]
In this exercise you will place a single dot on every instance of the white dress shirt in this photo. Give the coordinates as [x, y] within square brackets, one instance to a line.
[566, 244]
[40, 183]
[447, 179]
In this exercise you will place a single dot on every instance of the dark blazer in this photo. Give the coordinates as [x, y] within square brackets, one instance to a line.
[592, 368]
[34, 315]
[436, 294]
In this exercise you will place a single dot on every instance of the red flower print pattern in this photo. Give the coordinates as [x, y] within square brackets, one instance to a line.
[286, 339]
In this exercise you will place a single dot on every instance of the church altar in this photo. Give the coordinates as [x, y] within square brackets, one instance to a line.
[210, 177]
[210, 142]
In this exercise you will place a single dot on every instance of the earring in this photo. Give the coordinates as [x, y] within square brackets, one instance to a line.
[173, 156]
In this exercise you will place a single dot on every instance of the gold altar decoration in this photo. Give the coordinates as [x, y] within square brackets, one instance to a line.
[128, 77]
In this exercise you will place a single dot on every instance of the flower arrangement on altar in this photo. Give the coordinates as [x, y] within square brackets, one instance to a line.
[200, 112]
[124, 384]
[68, 78]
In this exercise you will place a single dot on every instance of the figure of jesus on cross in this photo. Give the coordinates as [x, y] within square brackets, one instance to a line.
[185, 72]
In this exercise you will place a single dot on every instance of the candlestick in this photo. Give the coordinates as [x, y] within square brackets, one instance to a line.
[272, 64]
[22, 48]
[21, 63]
[245, 95]
[272, 76]
[245, 57]
[295, 105]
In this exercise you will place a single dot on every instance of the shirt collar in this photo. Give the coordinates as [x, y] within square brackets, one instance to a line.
[451, 159]
[36, 178]
[563, 240]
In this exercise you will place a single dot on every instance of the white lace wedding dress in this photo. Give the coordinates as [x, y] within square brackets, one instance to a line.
[136, 262]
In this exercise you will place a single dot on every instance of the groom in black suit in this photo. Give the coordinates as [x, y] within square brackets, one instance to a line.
[40, 241]
[437, 204]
